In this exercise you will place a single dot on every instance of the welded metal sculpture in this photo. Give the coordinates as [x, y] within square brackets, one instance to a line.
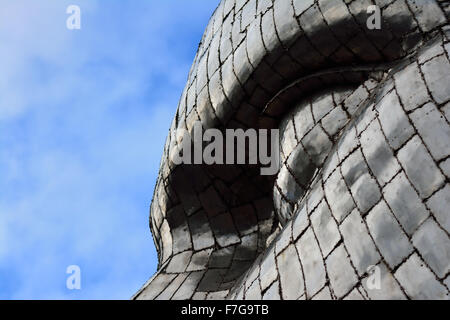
[359, 208]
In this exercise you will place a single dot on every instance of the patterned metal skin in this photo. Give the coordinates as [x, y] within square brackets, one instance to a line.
[360, 206]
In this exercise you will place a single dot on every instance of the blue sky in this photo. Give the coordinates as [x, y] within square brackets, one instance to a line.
[83, 118]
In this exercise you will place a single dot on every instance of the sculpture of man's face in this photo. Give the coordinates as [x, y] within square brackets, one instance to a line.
[360, 92]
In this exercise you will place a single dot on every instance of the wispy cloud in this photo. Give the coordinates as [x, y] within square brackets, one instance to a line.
[83, 118]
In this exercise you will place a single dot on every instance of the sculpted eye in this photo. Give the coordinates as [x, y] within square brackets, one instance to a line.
[310, 121]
